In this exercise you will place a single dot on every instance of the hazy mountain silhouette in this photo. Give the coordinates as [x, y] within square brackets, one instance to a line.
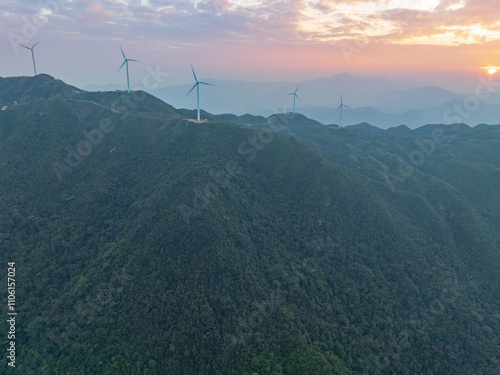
[380, 101]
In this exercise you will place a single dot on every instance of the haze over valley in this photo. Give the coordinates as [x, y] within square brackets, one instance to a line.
[381, 102]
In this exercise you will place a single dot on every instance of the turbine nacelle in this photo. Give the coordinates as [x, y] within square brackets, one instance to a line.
[197, 82]
[30, 48]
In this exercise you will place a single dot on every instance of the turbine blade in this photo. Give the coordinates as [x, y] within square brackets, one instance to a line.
[194, 74]
[22, 45]
[296, 90]
[123, 53]
[133, 60]
[204, 83]
[122, 65]
[34, 45]
[297, 96]
[196, 84]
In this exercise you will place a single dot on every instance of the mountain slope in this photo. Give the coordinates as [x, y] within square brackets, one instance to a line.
[31, 89]
[460, 161]
[175, 247]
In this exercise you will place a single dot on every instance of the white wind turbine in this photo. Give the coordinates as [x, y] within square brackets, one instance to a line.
[197, 85]
[294, 96]
[32, 54]
[340, 107]
[125, 62]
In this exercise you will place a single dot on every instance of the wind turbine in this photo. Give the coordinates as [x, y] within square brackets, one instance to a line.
[294, 96]
[197, 85]
[125, 62]
[32, 54]
[340, 107]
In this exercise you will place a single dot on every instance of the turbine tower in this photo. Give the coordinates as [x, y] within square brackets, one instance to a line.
[294, 96]
[32, 54]
[125, 62]
[340, 107]
[197, 85]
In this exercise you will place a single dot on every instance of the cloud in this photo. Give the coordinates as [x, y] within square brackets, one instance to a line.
[259, 22]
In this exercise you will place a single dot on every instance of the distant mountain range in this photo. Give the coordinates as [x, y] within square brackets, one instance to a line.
[381, 102]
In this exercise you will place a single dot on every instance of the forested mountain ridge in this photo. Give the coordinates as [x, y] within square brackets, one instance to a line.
[455, 169]
[149, 244]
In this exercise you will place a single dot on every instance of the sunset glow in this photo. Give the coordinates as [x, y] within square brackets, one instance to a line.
[491, 69]
[257, 39]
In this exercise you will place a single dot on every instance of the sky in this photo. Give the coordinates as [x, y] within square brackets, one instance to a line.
[447, 42]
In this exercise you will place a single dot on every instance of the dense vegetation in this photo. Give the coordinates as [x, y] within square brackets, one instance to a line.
[150, 244]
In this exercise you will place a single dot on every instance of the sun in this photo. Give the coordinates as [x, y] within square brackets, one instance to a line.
[491, 69]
